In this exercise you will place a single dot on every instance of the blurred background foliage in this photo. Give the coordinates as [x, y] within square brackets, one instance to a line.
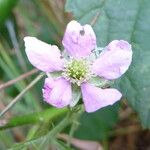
[46, 20]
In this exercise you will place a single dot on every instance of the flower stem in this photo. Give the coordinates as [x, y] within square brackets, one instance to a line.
[71, 133]
[48, 138]
[64, 123]
[48, 115]
[17, 98]
[75, 117]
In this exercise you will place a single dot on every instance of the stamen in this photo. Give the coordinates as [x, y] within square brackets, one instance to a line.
[77, 71]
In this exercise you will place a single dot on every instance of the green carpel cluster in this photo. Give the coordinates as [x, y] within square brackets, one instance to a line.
[77, 69]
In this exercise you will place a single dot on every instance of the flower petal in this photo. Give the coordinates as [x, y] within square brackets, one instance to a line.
[114, 60]
[79, 40]
[43, 56]
[95, 98]
[57, 92]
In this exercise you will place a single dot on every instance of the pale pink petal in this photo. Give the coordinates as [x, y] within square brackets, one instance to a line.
[43, 56]
[57, 92]
[95, 98]
[79, 40]
[114, 60]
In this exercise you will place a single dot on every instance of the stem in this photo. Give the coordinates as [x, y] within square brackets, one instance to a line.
[58, 145]
[47, 115]
[75, 117]
[50, 136]
[23, 76]
[72, 130]
[62, 125]
[17, 98]
[65, 122]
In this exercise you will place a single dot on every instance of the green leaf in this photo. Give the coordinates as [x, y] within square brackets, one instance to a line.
[128, 20]
[5, 8]
[96, 126]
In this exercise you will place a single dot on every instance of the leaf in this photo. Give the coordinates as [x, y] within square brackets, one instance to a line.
[95, 126]
[128, 20]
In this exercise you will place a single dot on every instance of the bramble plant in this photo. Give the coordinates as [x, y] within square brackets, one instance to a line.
[79, 67]
[91, 74]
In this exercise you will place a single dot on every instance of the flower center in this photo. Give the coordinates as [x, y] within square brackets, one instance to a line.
[77, 71]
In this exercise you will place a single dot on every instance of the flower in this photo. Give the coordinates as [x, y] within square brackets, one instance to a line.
[79, 67]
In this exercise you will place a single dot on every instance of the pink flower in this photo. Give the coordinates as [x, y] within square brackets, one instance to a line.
[80, 68]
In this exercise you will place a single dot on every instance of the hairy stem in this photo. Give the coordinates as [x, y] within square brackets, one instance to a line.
[75, 115]
[46, 139]
[47, 115]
